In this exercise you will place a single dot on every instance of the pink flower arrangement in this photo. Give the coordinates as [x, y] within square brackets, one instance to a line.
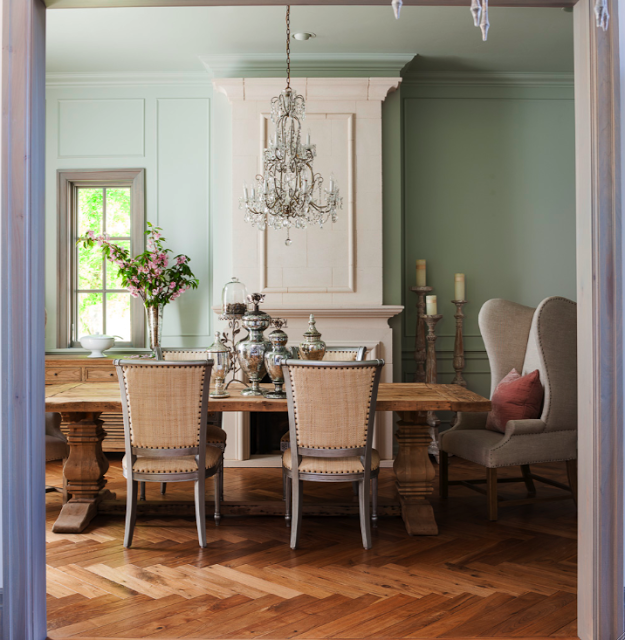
[147, 276]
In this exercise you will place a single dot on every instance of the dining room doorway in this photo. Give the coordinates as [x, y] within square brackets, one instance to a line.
[599, 261]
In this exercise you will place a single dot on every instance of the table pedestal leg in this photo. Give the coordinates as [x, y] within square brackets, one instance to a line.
[415, 474]
[84, 471]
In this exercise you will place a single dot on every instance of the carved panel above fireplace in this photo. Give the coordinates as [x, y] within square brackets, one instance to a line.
[340, 264]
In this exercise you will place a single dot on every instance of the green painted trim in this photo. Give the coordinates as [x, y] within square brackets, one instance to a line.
[56, 79]
[491, 78]
[309, 65]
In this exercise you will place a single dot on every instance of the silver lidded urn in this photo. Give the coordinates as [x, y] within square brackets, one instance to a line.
[275, 357]
[220, 355]
[313, 347]
[251, 350]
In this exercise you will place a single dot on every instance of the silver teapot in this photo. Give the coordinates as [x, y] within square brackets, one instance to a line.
[251, 350]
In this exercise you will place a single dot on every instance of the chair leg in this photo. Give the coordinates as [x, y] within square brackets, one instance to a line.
[200, 508]
[355, 486]
[142, 488]
[283, 484]
[364, 487]
[297, 491]
[491, 493]
[529, 482]
[374, 501]
[131, 511]
[163, 488]
[571, 470]
[287, 496]
[219, 482]
[443, 474]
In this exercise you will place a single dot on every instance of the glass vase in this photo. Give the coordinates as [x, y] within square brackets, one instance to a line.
[154, 316]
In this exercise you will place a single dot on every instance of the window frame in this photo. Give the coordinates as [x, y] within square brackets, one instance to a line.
[68, 183]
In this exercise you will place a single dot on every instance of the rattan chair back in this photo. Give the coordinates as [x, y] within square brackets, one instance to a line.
[165, 403]
[344, 354]
[332, 405]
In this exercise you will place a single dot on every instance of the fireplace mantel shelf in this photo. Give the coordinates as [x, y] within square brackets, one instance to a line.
[378, 311]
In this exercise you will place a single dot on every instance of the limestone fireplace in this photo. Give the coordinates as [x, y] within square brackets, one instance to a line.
[334, 272]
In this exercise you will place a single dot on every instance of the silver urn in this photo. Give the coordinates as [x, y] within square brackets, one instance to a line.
[312, 347]
[251, 350]
[220, 355]
[275, 357]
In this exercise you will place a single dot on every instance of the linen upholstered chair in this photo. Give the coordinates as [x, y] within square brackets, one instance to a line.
[56, 448]
[331, 419]
[215, 435]
[525, 339]
[332, 354]
[165, 408]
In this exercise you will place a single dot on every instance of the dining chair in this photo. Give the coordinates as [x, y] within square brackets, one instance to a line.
[56, 448]
[215, 434]
[526, 339]
[331, 420]
[332, 354]
[165, 409]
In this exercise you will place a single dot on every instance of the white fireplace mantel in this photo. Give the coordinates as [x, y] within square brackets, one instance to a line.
[336, 272]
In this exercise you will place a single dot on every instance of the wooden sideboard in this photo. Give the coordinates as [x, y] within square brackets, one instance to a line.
[80, 368]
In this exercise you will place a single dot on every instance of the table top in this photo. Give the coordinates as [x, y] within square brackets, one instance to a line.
[395, 396]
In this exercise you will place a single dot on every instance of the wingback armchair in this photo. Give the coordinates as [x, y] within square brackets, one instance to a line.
[525, 339]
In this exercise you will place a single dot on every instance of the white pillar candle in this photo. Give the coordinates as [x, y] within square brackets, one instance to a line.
[431, 308]
[245, 192]
[421, 273]
[459, 289]
[308, 138]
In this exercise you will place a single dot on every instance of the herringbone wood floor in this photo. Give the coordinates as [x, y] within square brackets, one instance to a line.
[513, 578]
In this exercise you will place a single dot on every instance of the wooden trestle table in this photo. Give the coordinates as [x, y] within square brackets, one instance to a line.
[81, 404]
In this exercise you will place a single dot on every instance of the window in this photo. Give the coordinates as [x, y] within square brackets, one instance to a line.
[91, 297]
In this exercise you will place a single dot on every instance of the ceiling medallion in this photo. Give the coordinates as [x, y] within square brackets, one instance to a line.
[289, 194]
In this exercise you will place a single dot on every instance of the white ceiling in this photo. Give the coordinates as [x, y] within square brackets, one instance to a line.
[172, 39]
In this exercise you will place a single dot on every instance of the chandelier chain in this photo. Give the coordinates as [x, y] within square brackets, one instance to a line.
[288, 46]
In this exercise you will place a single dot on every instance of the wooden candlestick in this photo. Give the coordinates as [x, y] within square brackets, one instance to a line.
[459, 344]
[430, 378]
[420, 351]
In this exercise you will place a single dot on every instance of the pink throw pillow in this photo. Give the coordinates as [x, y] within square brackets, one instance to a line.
[515, 398]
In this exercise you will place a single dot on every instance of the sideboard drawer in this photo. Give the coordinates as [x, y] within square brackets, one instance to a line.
[99, 374]
[63, 375]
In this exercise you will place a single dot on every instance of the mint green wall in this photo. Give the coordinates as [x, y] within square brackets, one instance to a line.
[165, 129]
[488, 190]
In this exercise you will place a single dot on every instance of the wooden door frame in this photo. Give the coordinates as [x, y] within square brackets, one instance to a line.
[600, 302]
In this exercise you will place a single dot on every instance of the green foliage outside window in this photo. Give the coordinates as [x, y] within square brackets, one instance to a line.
[91, 264]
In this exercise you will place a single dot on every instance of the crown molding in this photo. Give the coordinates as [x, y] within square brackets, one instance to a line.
[326, 89]
[107, 79]
[491, 78]
[306, 64]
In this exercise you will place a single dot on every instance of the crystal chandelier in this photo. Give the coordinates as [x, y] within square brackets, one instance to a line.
[289, 194]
